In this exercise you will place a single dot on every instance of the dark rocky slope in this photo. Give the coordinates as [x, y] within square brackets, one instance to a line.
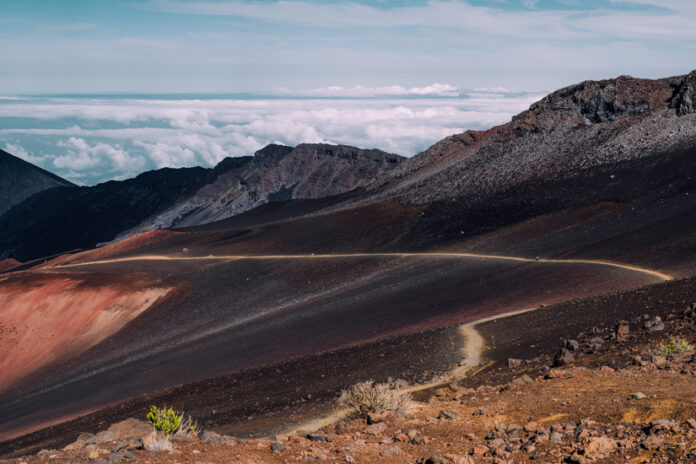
[279, 173]
[70, 217]
[584, 126]
[19, 180]
[82, 217]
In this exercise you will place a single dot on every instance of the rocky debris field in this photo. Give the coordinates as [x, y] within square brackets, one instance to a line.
[612, 395]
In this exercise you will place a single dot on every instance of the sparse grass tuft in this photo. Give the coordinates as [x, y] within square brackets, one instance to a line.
[676, 345]
[369, 397]
[188, 429]
[158, 442]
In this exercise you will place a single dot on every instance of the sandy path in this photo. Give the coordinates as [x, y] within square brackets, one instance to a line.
[474, 343]
[439, 255]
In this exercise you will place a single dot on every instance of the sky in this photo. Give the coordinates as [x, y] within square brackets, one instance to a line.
[102, 89]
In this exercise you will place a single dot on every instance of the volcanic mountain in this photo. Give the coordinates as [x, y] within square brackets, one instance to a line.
[584, 205]
[19, 180]
[82, 217]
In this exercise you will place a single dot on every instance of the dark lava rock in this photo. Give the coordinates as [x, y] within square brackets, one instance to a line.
[684, 100]
[277, 447]
[563, 357]
[436, 460]
[118, 458]
[572, 345]
[317, 437]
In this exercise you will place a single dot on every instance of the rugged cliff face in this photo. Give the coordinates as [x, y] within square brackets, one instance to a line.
[279, 173]
[19, 180]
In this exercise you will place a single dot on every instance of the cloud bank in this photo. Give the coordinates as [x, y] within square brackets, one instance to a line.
[91, 139]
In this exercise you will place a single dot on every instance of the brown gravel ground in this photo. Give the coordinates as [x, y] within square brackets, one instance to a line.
[580, 412]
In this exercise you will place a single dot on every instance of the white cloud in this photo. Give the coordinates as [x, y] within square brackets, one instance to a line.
[81, 156]
[21, 152]
[179, 133]
[436, 89]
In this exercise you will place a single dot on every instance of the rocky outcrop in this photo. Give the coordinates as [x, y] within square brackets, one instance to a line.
[684, 100]
[279, 173]
[586, 126]
[19, 180]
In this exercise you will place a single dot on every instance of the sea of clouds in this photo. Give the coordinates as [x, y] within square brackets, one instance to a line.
[91, 139]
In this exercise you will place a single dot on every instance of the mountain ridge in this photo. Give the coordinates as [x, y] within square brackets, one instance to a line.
[20, 179]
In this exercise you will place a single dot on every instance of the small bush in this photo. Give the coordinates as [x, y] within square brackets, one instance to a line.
[369, 397]
[676, 345]
[165, 421]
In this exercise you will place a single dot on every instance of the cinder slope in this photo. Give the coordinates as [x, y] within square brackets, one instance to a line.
[19, 180]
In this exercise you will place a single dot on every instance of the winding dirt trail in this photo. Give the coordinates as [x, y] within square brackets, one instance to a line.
[474, 344]
[440, 255]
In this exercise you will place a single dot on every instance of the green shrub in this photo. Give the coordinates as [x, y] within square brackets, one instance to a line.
[166, 421]
[675, 346]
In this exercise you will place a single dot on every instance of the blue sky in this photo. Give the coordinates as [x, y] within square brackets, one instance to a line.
[238, 46]
[105, 89]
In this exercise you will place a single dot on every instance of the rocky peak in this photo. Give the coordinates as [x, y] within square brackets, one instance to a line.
[598, 102]
[230, 163]
[344, 152]
[273, 152]
[684, 99]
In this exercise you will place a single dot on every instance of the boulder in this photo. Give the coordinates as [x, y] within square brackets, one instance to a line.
[600, 447]
[277, 447]
[130, 429]
[564, 357]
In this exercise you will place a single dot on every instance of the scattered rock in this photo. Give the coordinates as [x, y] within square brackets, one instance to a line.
[435, 460]
[565, 356]
[448, 414]
[513, 362]
[559, 374]
[622, 329]
[572, 345]
[531, 427]
[652, 442]
[277, 447]
[393, 450]
[317, 437]
[118, 458]
[376, 429]
[104, 436]
[130, 429]
[638, 396]
[134, 444]
[599, 447]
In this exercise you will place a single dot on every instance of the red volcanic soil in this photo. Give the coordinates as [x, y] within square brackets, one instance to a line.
[45, 318]
[8, 264]
[130, 244]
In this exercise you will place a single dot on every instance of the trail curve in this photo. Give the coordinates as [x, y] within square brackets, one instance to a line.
[441, 255]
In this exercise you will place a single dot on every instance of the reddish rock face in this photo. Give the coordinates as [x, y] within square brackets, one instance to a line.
[56, 317]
